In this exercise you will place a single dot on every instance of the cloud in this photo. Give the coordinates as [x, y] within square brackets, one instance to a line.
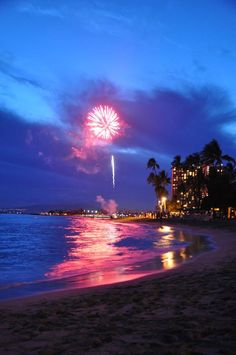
[94, 16]
[25, 80]
[21, 93]
[34, 9]
[226, 53]
[8, 69]
[47, 147]
[79, 153]
[36, 160]
[159, 124]
[89, 171]
[183, 121]
[164, 121]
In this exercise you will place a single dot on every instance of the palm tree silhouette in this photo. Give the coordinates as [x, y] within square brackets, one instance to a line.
[212, 155]
[158, 180]
[176, 162]
[152, 164]
[192, 161]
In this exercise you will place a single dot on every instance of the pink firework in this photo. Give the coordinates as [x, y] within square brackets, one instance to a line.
[103, 122]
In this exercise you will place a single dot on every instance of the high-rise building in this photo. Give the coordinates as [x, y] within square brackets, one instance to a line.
[186, 189]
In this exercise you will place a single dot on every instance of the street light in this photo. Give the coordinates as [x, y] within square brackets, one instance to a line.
[163, 201]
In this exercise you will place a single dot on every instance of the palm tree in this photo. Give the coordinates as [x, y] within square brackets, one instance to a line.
[207, 179]
[229, 160]
[164, 182]
[176, 162]
[231, 171]
[152, 164]
[158, 180]
[220, 180]
[192, 161]
[212, 155]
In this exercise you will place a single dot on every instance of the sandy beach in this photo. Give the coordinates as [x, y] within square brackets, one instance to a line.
[187, 310]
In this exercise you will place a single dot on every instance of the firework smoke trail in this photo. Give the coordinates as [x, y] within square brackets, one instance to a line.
[113, 170]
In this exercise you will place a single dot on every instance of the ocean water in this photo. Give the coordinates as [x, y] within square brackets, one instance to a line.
[49, 253]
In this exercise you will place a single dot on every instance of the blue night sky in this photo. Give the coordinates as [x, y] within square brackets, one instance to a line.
[168, 67]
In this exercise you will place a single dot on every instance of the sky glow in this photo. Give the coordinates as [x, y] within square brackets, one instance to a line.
[167, 69]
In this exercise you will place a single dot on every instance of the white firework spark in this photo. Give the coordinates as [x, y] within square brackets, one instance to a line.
[103, 122]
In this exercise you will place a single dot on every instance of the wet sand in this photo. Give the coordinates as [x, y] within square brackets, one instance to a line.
[187, 310]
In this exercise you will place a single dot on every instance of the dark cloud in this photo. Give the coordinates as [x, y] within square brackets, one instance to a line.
[25, 80]
[38, 165]
[12, 72]
[164, 120]
[41, 146]
[57, 164]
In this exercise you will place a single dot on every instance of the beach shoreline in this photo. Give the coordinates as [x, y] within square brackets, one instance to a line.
[146, 314]
[170, 256]
[212, 256]
[126, 279]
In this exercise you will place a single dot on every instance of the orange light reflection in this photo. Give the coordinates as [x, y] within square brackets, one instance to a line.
[168, 260]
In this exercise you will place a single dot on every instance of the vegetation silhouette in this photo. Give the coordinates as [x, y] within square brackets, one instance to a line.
[214, 183]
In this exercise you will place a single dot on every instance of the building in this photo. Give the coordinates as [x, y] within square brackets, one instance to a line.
[189, 185]
[186, 188]
[179, 190]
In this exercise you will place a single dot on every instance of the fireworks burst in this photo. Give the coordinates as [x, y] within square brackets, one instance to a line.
[103, 122]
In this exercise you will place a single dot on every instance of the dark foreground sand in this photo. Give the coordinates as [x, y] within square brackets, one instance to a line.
[189, 310]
